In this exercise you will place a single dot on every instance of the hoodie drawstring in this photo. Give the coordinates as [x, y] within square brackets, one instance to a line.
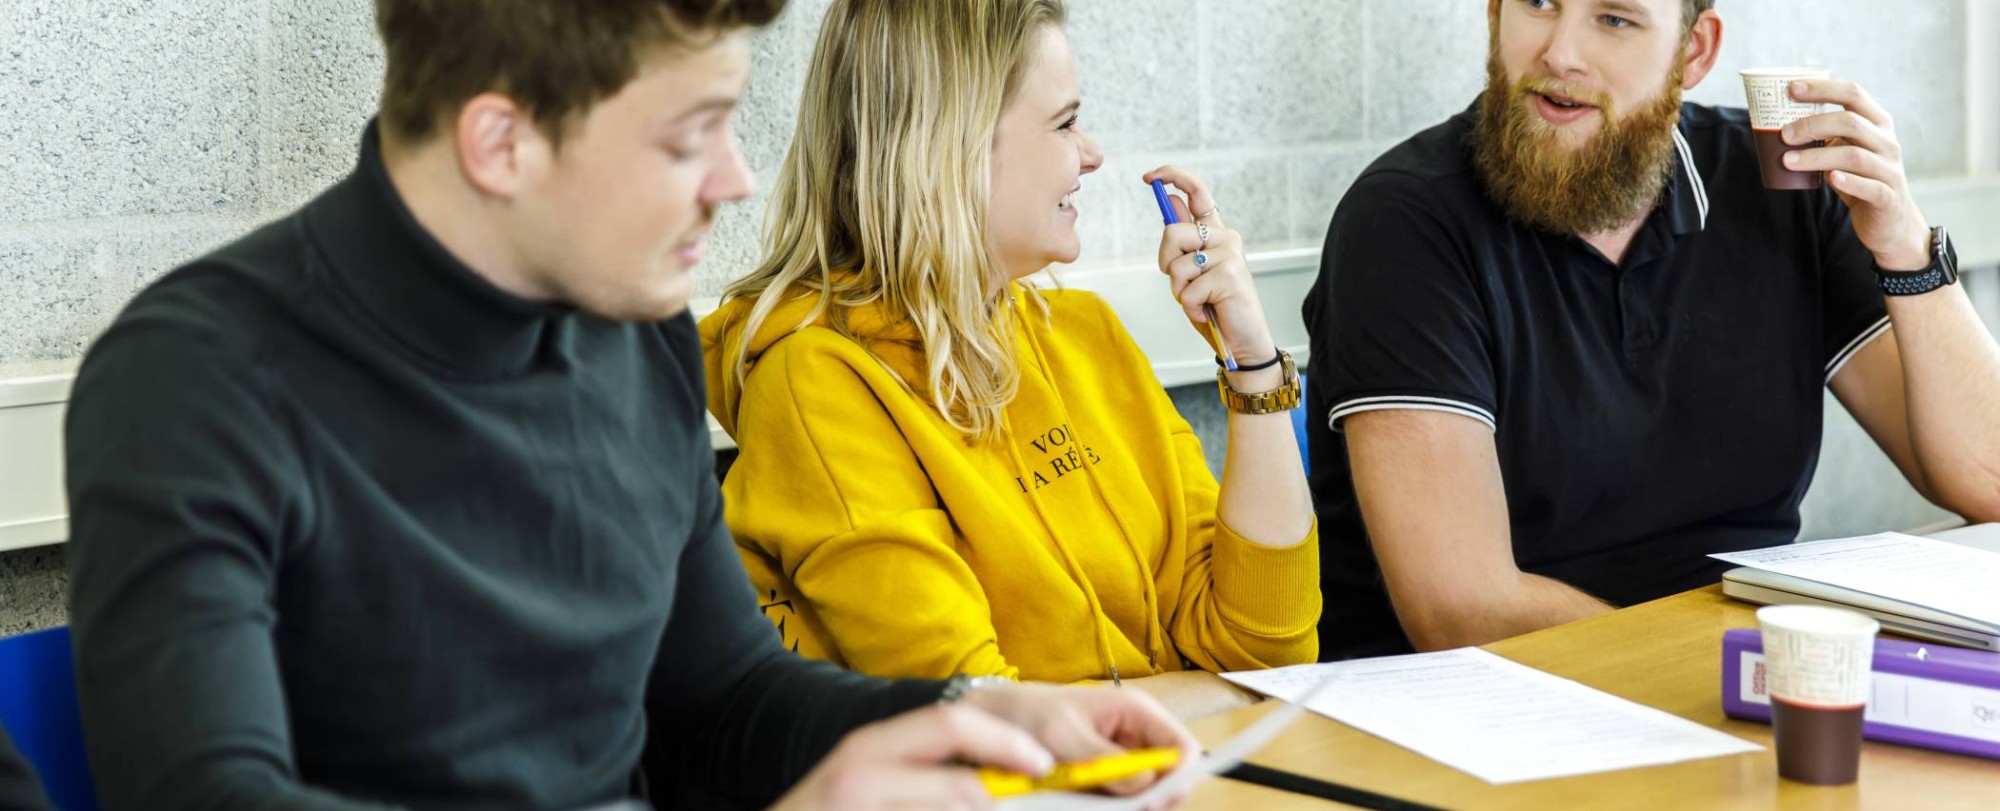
[1105, 656]
[1155, 632]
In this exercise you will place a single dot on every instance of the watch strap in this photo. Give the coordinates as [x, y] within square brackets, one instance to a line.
[1910, 284]
[1943, 270]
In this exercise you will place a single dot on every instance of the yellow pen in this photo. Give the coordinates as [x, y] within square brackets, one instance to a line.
[1083, 774]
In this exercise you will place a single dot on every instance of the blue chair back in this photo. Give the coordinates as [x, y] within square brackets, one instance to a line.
[1299, 428]
[38, 706]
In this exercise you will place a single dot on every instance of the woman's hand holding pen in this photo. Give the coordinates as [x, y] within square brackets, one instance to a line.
[1204, 259]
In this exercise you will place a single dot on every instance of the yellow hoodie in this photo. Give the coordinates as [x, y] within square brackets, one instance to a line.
[1081, 544]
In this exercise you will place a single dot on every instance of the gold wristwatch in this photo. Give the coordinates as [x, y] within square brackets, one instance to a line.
[1281, 399]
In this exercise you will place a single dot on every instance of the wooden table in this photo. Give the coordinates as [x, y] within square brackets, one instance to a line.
[1665, 654]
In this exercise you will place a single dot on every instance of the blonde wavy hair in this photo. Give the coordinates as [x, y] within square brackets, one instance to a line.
[883, 195]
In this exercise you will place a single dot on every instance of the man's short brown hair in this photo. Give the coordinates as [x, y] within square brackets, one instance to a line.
[556, 58]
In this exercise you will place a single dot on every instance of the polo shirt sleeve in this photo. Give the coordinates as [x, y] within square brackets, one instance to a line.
[1398, 319]
[1853, 313]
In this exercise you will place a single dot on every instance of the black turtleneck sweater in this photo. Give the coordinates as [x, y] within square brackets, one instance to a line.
[353, 528]
[20, 789]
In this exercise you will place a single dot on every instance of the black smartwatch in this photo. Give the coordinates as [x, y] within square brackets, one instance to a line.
[1942, 271]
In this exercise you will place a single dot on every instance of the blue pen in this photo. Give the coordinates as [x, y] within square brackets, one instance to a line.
[1214, 326]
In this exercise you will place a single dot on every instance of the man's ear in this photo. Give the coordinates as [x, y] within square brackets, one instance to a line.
[1704, 43]
[498, 144]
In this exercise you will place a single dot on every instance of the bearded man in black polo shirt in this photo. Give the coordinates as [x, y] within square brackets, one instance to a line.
[405, 500]
[1565, 344]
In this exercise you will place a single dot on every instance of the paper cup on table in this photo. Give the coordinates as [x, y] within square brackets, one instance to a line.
[1771, 108]
[1818, 662]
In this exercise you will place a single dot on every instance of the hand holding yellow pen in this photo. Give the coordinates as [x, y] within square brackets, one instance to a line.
[1082, 775]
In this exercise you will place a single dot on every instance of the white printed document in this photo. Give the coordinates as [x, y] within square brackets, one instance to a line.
[1940, 576]
[1493, 718]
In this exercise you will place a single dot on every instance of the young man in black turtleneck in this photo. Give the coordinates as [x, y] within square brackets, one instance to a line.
[405, 499]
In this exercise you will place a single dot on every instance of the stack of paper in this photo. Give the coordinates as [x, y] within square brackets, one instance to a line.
[1495, 719]
[1946, 577]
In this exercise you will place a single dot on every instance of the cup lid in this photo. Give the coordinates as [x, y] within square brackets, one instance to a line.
[1796, 72]
[1817, 619]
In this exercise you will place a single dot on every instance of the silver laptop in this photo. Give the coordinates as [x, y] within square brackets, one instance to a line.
[1771, 588]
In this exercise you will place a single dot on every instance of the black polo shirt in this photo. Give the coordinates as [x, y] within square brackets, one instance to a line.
[1645, 414]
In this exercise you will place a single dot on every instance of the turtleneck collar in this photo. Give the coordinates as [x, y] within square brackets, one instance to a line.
[415, 290]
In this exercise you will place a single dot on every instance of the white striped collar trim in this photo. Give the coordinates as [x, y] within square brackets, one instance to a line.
[1693, 175]
[1403, 403]
[1855, 346]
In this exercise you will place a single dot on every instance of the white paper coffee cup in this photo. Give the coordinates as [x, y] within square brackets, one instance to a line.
[1819, 657]
[1770, 97]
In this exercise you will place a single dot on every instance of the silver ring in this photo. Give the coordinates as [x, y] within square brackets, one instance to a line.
[1211, 213]
[1200, 259]
[1201, 230]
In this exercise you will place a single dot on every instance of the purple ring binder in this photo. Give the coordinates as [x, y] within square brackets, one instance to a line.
[1926, 695]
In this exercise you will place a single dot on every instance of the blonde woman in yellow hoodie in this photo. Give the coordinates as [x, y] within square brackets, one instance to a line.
[944, 471]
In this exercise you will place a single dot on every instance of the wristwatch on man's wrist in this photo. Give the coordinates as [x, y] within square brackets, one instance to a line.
[1942, 272]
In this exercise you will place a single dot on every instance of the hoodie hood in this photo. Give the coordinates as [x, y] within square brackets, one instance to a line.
[723, 335]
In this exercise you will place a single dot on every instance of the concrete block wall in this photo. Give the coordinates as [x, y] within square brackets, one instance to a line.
[135, 134]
